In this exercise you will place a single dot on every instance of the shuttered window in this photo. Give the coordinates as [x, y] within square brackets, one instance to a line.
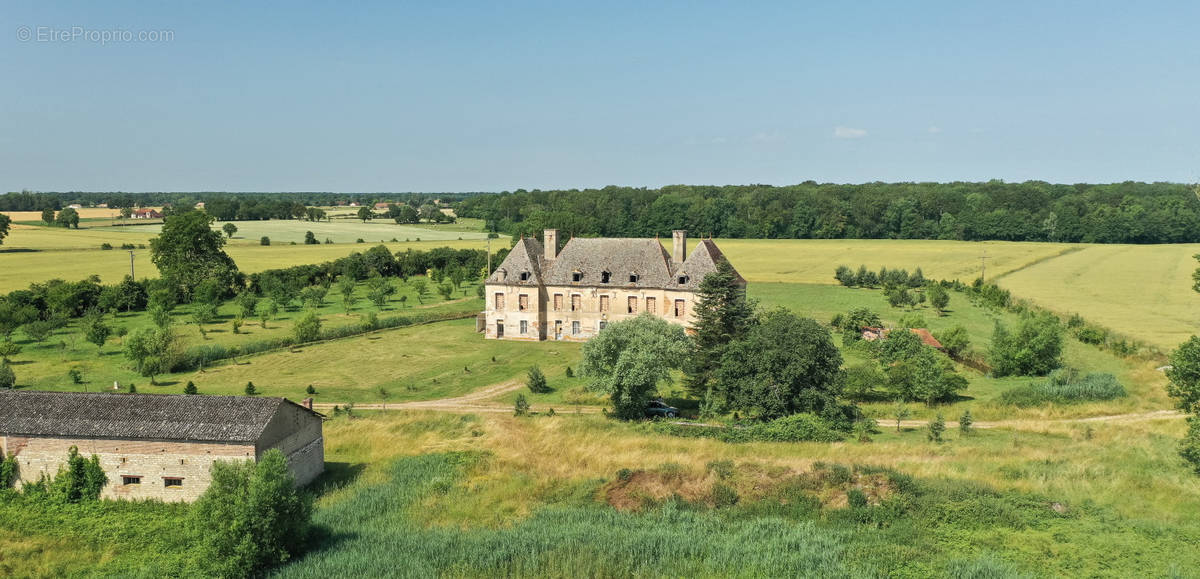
[575, 307]
[558, 302]
[633, 304]
[651, 305]
[522, 303]
[603, 303]
[499, 302]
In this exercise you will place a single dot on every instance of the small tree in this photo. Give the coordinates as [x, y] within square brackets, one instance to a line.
[264, 240]
[251, 390]
[964, 423]
[76, 375]
[310, 238]
[310, 390]
[8, 378]
[445, 290]
[939, 298]
[521, 408]
[537, 381]
[900, 412]
[48, 216]
[422, 286]
[365, 213]
[936, 428]
[190, 389]
[307, 328]
[8, 350]
[229, 229]
[955, 341]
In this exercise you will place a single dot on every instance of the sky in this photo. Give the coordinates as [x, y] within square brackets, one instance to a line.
[492, 96]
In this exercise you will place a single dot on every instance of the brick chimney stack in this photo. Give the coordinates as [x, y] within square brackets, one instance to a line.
[308, 403]
[550, 241]
[678, 245]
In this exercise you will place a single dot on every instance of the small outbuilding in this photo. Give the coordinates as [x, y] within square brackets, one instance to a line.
[156, 446]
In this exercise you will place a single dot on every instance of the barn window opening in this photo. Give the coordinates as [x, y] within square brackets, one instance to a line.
[131, 480]
[172, 482]
[605, 276]
[576, 276]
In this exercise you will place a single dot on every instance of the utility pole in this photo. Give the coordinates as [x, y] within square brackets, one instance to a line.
[131, 276]
[983, 266]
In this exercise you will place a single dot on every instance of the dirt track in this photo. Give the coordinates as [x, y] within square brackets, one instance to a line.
[477, 401]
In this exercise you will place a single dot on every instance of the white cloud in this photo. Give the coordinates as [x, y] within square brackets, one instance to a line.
[848, 133]
[934, 130]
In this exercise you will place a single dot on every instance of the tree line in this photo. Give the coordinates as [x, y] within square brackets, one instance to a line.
[1129, 212]
[248, 203]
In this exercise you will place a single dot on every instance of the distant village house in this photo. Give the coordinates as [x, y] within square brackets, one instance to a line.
[146, 214]
[156, 446]
[540, 293]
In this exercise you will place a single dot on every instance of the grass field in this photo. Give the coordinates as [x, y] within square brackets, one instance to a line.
[340, 231]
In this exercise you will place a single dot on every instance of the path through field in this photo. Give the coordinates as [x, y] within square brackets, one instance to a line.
[477, 401]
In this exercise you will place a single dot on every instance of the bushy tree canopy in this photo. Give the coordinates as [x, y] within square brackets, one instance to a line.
[628, 360]
[188, 252]
[1033, 350]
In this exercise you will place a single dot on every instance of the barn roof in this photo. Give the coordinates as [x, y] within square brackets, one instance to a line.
[137, 416]
[591, 257]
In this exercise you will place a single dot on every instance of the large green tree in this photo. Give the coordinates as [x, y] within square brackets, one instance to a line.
[262, 520]
[5, 224]
[785, 364]
[723, 314]
[68, 218]
[629, 359]
[1034, 349]
[188, 252]
[1184, 387]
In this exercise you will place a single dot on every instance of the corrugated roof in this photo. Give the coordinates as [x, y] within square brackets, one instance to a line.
[592, 257]
[136, 416]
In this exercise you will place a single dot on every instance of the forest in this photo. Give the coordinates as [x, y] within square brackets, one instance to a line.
[1129, 212]
[225, 206]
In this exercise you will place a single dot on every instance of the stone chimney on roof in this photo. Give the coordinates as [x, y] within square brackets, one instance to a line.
[550, 243]
[308, 403]
[678, 245]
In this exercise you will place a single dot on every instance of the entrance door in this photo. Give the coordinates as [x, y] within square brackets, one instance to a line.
[499, 329]
[558, 329]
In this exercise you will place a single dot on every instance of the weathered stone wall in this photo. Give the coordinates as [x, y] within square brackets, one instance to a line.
[297, 433]
[548, 319]
[151, 460]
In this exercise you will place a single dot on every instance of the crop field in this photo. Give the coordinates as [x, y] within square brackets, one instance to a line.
[340, 231]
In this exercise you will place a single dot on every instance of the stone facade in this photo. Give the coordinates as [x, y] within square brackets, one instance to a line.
[165, 447]
[539, 293]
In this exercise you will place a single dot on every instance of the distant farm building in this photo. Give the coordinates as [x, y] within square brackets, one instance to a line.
[381, 206]
[540, 293]
[146, 214]
[74, 206]
[156, 446]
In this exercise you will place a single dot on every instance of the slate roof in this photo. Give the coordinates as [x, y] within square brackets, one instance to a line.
[620, 257]
[137, 416]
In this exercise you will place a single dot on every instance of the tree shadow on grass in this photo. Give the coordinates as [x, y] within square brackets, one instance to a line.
[167, 383]
[336, 476]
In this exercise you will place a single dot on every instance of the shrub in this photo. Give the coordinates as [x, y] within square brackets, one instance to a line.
[936, 428]
[251, 390]
[264, 240]
[521, 408]
[570, 372]
[954, 340]
[75, 375]
[794, 428]
[964, 422]
[310, 390]
[723, 495]
[8, 378]
[1033, 350]
[537, 381]
[307, 328]
[190, 389]
[106, 246]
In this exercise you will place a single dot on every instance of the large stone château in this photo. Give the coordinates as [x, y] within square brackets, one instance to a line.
[156, 446]
[540, 293]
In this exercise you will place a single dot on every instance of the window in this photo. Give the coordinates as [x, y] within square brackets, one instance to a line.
[172, 482]
[575, 328]
[522, 303]
[651, 304]
[525, 276]
[558, 302]
[603, 324]
[605, 276]
[499, 329]
[633, 277]
[131, 480]
[524, 327]
[633, 304]
[577, 276]
[499, 302]
[575, 299]
[603, 303]
[679, 309]
[683, 279]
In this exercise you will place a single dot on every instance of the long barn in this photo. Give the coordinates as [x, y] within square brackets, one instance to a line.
[156, 446]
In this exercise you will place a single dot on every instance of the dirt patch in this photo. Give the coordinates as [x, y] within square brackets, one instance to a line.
[724, 484]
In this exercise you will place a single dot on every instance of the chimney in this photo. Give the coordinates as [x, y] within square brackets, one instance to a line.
[308, 403]
[550, 241]
[678, 245]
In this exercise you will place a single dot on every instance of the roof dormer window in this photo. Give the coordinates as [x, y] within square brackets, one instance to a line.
[605, 276]
[576, 276]
[525, 276]
[633, 277]
[683, 279]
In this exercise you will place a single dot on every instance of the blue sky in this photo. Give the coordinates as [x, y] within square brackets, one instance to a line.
[469, 96]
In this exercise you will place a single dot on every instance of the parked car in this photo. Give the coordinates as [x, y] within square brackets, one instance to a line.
[658, 409]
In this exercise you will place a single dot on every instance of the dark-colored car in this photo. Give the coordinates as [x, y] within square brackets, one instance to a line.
[658, 409]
